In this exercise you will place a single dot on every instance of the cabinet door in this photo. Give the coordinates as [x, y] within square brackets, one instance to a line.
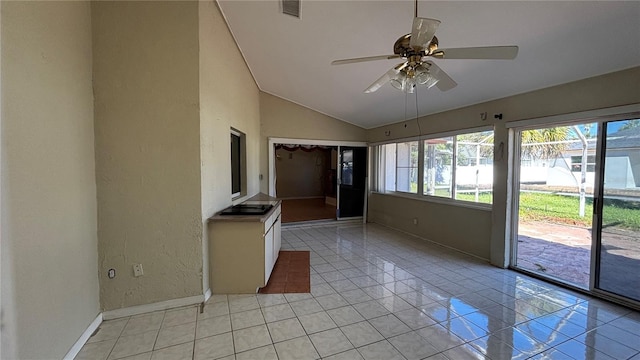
[277, 239]
[268, 255]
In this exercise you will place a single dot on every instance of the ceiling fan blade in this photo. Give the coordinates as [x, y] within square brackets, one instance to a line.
[485, 52]
[362, 59]
[422, 32]
[385, 78]
[445, 82]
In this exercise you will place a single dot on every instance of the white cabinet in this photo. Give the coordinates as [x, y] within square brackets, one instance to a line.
[277, 239]
[268, 254]
[243, 251]
[272, 243]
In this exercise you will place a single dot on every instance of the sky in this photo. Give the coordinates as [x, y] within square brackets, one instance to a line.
[593, 128]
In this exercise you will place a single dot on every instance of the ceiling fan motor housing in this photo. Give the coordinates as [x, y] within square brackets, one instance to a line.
[401, 47]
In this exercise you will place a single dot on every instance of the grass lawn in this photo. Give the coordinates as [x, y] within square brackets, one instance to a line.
[562, 209]
[483, 197]
[559, 209]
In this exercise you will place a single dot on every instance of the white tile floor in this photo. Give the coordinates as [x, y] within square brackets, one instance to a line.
[380, 294]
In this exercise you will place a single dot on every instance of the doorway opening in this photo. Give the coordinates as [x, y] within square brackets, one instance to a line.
[306, 181]
[318, 180]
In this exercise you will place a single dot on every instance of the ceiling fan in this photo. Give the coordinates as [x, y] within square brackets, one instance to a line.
[415, 48]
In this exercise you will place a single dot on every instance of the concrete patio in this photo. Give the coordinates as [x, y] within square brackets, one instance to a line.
[564, 252]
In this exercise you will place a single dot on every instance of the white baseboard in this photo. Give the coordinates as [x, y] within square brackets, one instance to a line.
[162, 305]
[75, 349]
[130, 311]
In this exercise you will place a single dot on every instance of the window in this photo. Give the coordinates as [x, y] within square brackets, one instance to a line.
[456, 167]
[347, 168]
[389, 152]
[407, 167]
[438, 155]
[400, 162]
[238, 176]
[474, 167]
[576, 163]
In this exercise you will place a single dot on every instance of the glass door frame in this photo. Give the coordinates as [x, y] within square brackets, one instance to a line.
[514, 207]
[598, 190]
[598, 203]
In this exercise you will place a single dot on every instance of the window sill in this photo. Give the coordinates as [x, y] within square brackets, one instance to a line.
[438, 200]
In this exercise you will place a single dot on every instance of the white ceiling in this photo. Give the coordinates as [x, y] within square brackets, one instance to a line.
[559, 42]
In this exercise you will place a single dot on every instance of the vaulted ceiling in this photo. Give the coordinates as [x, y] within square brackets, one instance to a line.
[559, 42]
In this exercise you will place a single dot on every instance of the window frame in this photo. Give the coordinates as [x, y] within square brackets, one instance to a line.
[380, 170]
[409, 167]
[241, 164]
[576, 166]
[380, 162]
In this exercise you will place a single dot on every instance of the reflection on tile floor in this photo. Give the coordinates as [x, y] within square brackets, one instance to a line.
[380, 294]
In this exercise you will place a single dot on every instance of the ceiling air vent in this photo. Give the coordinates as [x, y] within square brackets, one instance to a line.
[291, 7]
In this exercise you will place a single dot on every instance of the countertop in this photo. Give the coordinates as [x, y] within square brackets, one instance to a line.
[258, 199]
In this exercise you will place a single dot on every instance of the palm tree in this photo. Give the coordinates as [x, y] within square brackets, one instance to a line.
[546, 143]
[630, 124]
[549, 143]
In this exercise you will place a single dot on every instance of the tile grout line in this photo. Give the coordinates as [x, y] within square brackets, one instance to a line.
[333, 255]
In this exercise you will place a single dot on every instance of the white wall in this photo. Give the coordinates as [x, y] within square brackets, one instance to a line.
[147, 120]
[229, 98]
[48, 183]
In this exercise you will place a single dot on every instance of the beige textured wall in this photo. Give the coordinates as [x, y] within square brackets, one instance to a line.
[147, 127]
[301, 173]
[609, 90]
[229, 97]
[49, 190]
[284, 119]
[462, 228]
[614, 89]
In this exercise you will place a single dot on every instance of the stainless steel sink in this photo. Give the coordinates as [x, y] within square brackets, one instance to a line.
[246, 209]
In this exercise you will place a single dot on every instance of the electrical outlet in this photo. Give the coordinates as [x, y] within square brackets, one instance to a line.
[137, 270]
[111, 273]
[415, 221]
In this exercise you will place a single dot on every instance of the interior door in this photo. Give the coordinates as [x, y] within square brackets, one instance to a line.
[352, 179]
[617, 220]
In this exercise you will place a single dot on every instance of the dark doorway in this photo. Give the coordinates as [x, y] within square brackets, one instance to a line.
[353, 173]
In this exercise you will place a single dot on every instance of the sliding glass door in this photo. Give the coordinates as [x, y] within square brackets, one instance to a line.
[554, 202]
[618, 211]
[577, 205]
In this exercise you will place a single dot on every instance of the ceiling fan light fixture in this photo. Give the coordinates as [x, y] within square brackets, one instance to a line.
[409, 85]
[403, 82]
[398, 80]
[425, 78]
[396, 83]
